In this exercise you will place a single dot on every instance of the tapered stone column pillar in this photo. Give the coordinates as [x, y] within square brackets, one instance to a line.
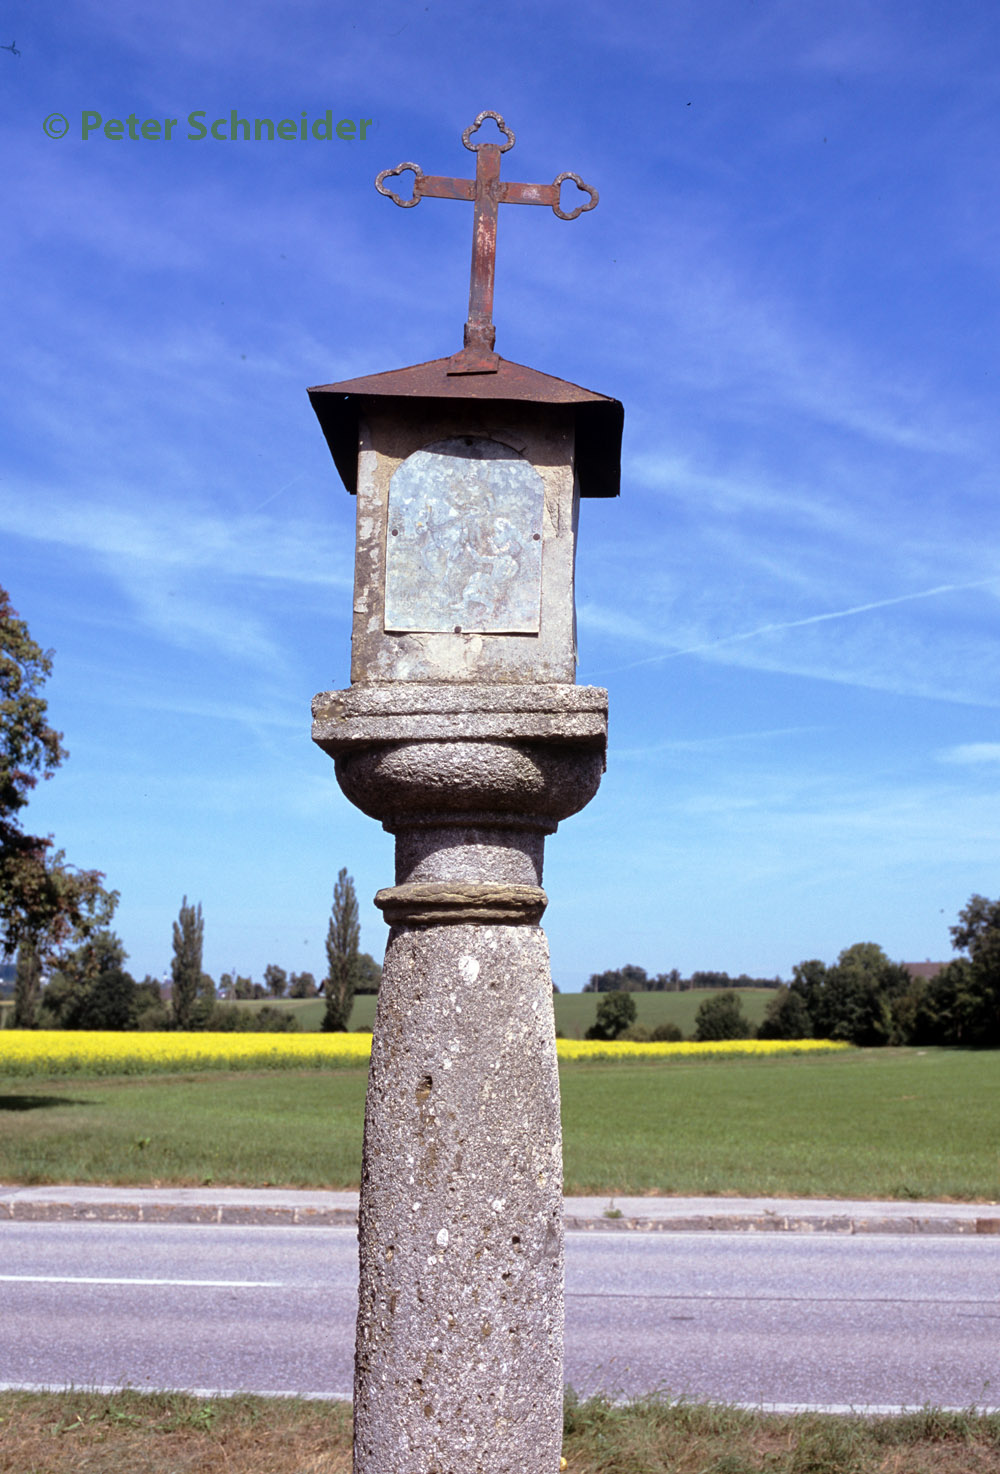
[460, 1323]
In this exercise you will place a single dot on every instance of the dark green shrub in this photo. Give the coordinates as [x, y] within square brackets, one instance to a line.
[615, 1013]
[227, 1019]
[721, 1016]
[636, 1034]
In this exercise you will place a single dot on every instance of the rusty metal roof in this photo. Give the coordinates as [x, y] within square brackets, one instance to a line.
[599, 420]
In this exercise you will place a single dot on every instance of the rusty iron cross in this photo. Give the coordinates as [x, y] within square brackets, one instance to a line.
[487, 192]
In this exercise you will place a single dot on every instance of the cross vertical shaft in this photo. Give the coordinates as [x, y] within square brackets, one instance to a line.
[479, 329]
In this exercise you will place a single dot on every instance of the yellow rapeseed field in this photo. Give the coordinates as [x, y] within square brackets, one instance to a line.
[79, 1052]
[84, 1052]
[625, 1049]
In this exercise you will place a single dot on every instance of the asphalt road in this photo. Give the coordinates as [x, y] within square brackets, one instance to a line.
[780, 1319]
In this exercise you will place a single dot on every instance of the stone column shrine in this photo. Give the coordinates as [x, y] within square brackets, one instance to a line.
[464, 733]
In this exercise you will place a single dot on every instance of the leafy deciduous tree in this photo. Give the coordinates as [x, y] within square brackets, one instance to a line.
[961, 1004]
[786, 1017]
[91, 989]
[42, 898]
[860, 999]
[27, 986]
[721, 1016]
[150, 1009]
[276, 980]
[369, 974]
[978, 933]
[616, 1012]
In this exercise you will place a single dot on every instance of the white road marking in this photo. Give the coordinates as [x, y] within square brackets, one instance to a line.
[80, 1279]
[111, 1389]
[781, 1409]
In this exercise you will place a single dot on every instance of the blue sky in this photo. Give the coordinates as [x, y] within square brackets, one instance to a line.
[791, 282]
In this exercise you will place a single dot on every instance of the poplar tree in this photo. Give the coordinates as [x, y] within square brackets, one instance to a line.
[185, 968]
[342, 939]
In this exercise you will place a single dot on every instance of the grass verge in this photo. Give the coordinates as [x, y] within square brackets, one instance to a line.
[657, 1436]
[87, 1433]
[904, 1124]
[168, 1433]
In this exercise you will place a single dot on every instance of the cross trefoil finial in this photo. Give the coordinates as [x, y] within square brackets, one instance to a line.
[487, 192]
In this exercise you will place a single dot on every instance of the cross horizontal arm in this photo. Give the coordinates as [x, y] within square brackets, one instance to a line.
[441, 187]
[529, 194]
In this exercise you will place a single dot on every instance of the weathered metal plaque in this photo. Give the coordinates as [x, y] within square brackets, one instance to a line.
[464, 541]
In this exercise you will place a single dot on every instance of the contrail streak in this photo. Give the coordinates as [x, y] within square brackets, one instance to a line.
[794, 624]
[269, 499]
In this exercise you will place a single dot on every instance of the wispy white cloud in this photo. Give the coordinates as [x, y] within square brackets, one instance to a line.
[259, 717]
[178, 537]
[801, 818]
[185, 570]
[901, 644]
[719, 744]
[737, 490]
[971, 753]
[621, 625]
[812, 619]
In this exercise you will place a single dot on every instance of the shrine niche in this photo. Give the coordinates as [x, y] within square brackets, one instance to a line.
[464, 545]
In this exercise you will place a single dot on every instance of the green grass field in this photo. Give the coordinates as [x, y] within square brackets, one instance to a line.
[575, 1012]
[869, 1123]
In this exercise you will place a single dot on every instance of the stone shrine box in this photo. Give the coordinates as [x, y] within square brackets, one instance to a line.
[468, 488]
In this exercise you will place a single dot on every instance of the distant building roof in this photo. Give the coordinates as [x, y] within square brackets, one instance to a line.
[926, 970]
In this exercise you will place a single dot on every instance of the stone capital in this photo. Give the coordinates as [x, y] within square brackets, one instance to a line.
[470, 779]
[401, 711]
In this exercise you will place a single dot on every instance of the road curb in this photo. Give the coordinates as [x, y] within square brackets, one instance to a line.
[54, 1212]
[273, 1208]
[841, 1223]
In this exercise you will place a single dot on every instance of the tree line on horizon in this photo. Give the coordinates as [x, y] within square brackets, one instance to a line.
[863, 998]
[633, 979]
[89, 987]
